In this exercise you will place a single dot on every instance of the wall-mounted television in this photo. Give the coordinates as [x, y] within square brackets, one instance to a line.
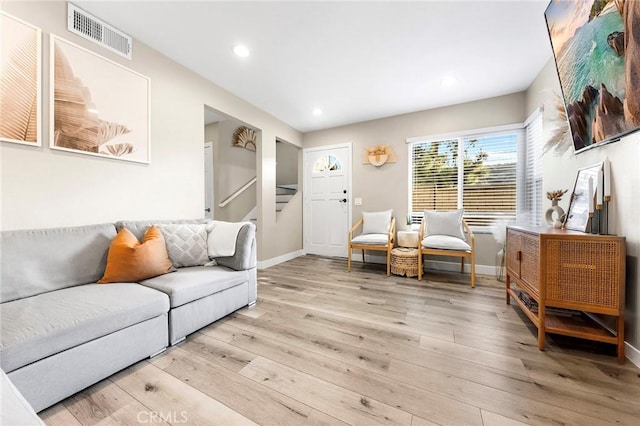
[596, 46]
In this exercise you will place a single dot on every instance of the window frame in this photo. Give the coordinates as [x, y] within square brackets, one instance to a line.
[517, 128]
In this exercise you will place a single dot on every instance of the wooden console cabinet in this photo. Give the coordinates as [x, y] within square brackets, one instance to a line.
[571, 270]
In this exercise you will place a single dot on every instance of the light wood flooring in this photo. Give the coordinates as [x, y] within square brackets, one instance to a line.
[323, 346]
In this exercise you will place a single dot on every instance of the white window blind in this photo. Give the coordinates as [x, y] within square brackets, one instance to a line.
[490, 175]
[530, 175]
[434, 177]
[484, 182]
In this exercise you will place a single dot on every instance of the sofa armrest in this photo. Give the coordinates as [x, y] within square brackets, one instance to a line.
[245, 256]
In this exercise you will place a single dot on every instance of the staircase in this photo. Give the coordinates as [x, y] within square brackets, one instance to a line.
[284, 194]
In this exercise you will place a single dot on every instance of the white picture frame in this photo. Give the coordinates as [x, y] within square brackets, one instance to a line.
[97, 106]
[577, 217]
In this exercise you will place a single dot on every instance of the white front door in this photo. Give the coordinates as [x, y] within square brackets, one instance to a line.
[208, 180]
[327, 196]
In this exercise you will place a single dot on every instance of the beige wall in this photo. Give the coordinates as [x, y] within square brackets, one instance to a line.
[560, 172]
[287, 163]
[44, 188]
[233, 167]
[387, 186]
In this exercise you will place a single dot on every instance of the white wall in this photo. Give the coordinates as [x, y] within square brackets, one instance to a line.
[44, 188]
[560, 172]
[387, 186]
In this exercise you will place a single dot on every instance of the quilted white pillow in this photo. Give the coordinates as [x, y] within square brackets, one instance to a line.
[376, 222]
[186, 243]
[444, 223]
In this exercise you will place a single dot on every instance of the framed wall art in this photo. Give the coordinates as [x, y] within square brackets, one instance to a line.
[594, 44]
[98, 107]
[577, 217]
[20, 81]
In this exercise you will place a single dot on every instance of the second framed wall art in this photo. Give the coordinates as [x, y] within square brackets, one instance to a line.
[98, 107]
[20, 81]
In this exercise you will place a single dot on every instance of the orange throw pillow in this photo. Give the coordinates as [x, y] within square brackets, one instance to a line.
[132, 261]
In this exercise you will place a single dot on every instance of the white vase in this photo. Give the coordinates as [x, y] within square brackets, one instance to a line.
[549, 218]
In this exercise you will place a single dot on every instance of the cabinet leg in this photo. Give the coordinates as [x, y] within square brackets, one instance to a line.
[507, 287]
[541, 338]
[621, 358]
[541, 327]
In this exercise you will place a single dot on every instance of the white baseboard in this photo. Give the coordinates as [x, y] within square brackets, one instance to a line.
[431, 264]
[632, 354]
[264, 264]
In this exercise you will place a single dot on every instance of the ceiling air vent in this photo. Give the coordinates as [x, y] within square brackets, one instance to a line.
[99, 32]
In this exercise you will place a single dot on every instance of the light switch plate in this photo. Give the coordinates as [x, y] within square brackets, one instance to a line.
[357, 201]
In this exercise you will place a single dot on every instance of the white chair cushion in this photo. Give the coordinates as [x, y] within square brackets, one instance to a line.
[371, 239]
[445, 242]
[444, 223]
[376, 222]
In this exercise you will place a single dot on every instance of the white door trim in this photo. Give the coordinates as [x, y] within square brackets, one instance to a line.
[305, 194]
[212, 191]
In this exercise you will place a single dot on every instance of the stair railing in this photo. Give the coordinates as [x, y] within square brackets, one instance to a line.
[236, 194]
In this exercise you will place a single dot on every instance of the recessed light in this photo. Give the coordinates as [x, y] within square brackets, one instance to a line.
[241, 50]
[448, 81]
[317, 111]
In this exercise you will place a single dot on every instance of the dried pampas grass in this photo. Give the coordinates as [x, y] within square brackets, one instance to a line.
[560, 139]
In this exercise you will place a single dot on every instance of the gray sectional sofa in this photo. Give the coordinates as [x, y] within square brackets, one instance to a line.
[61, 332]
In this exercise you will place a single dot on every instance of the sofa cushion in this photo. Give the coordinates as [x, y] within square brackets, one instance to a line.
[186, 243]
[130, 260]
[42, 260]
[37, 327]
[139, 227]
[189, 284]
[371, 239]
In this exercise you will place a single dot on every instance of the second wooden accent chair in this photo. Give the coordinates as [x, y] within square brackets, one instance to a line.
[378, 234]
[442, 233]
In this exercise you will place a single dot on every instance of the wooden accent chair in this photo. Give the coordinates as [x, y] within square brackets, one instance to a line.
[442, 233]
[378, 234]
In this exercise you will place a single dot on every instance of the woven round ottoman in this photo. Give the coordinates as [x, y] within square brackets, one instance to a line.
[404, 261]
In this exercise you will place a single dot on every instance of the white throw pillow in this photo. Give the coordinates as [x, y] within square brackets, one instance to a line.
[186, 243]
[376, 222]
[444, 223]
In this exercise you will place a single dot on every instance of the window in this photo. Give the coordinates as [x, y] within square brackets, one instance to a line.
[326, 162]
[530, 175]
[483, 182]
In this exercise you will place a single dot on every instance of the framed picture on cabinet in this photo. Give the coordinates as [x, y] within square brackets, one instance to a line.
[577, 217]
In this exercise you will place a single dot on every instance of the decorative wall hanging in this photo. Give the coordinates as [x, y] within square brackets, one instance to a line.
[98, 107]
[245, 137]
[379, 155]
[559, 141]
[20, 81]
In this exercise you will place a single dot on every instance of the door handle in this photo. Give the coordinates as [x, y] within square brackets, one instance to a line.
[344, 200]
[207, 210]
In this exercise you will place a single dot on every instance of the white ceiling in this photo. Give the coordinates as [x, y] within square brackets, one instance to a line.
[356, 61]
